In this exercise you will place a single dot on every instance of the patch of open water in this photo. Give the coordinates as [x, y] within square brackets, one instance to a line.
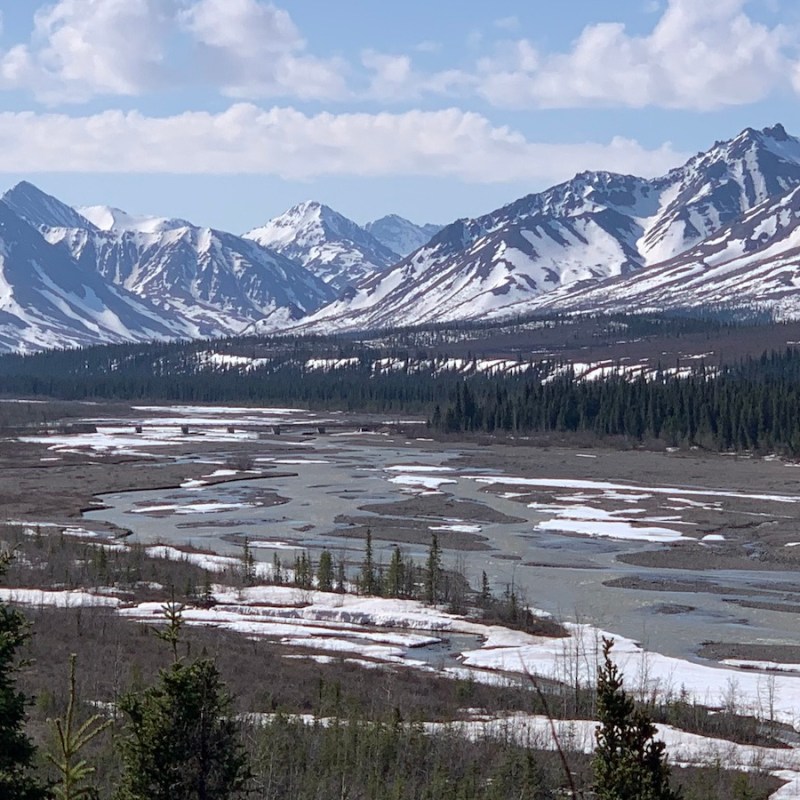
[566, 577]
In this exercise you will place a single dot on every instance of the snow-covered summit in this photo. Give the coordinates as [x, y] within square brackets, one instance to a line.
[401, 235]
[40, 209]
[333, 247]
[108, 218]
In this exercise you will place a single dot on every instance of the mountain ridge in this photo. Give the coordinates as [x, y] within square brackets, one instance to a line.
[721, 227]
[334, 248]
[595, 227]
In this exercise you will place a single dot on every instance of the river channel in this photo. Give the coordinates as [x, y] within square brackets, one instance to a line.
[558, 572]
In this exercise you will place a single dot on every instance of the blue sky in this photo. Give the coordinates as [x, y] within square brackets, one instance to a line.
[227, 112]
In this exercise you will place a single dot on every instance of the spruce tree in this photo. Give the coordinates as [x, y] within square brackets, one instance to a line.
[75, 773]
[395, 575]
[433, 573]
[367, 581]
[16, 750]
[629, 762]
[248, 564]
[325, 572]
[182, 740]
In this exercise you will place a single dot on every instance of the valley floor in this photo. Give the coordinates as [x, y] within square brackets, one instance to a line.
[686, 559]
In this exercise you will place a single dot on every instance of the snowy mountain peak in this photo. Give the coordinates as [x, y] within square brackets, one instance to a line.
[108, 218]
[330, 245]
[776, 132]
[40, 209]
[401, 235]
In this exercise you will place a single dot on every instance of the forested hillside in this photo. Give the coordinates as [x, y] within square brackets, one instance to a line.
[472, 379]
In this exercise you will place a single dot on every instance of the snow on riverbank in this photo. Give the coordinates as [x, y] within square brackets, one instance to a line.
[387, 631]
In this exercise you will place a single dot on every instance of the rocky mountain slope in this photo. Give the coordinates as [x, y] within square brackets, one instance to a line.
[49, 300]
[332, 247]
[203, 282]
[753, 261]
[596, 227]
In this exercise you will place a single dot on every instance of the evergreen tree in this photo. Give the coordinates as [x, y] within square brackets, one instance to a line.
[248, 564]
[367, 581]
[182, 742]
[277, 569]
[629, 763]
[395, 575]
[486, 591]
[16, 749]
[325, 572]
[433, 572]
[341, 576]
[71, 738]
[303, 571]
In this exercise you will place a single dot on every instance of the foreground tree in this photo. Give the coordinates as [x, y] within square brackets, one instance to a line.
[183, 742]
[74, 772]
[16, 749]
[629, 762]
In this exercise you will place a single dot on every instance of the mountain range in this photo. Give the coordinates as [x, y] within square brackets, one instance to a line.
[599, 241]
[723, 229]
[73, 277]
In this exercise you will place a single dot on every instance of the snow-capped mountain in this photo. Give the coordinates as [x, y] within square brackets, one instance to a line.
[40, 209]
[596, 227]
[107, 218]
[400, 235]
[206, 282]
[754, 260]
[334, 248]
[722, 229]
[48, 300]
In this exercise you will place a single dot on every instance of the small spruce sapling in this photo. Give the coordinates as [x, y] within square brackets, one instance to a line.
[74, 772]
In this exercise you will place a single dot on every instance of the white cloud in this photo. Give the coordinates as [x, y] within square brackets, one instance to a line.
[255, 50]
[700, 55]
[287, 143]
[83, 48]
[393, 77]
[80, 48]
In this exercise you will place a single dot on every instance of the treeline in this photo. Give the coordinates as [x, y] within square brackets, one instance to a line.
[753, 406]
[175, 372]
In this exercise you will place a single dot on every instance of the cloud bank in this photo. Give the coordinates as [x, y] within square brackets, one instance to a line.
[699, 55]
[290, 144]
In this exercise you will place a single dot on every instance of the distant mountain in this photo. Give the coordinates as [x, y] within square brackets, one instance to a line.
[723, 229]
[40, 209]
[334, 248]
[597, 227]
[48, 300]
[199, 282]
[400, 235]
[106, 218]
[754, 260]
